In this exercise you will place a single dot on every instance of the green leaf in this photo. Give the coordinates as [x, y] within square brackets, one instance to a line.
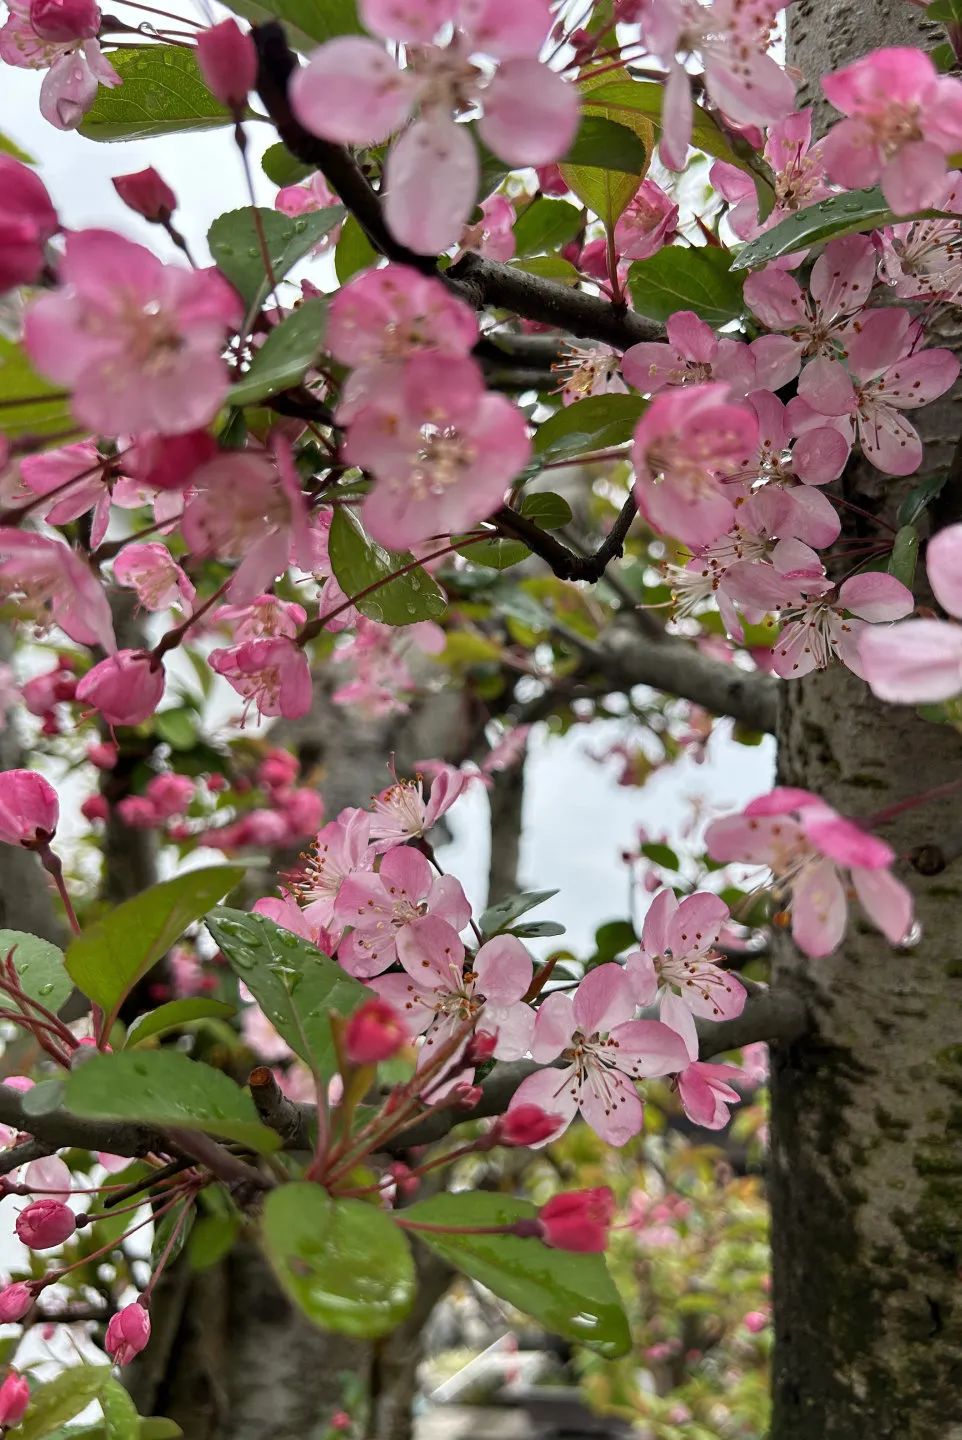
[611, 939]
[295, 985]
[947, 12]
[498, 917]
[283, 168]
[40, 966]
[624, 99]
[43, 409]
[686, 278]
[236, 248]
[905, 554]
[603, 144]
[110, 956]
[166, 1088]
[307, 23]
[536, 928]
[174, 1016]
[178, 726]
[498, 553]
[61, 1398]
[9, 146]
[918, 500]
[547, 509]
[156, 1427]
[549, 267]
[359, 562]
[345, 1264]
[603, 186]
[845, 214]
[546, 225]
[660, 854]
[121, 1421]
[285, 356]
[164, 1230]
[162, 94]
[591, 424]
[211, 1239]
[570, 1295]
[354, 251]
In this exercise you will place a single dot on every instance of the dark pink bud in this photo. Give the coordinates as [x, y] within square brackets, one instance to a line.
[95, 807]
[528, 1125]
[146, 194]
[406, 1181]
[138, 812]
[374, 1032]
[167, 462]
[755, 1321]
[480, 1047]
[340, 1420]
[123, 688]
[127, 1333]
[45, 1223]
[15, 1301]
[64, 20]
[216, 783]
[578, 1220]
[468, 1096]
[551, 181]
[278, 769]
[29, 808]
[103, 755]
[14, 1399]
[228, 63]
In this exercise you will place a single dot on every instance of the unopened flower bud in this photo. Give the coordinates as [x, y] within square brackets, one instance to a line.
[29, 808]
[15, 1301]
[374, 1032]
[64, 20]
[578, 1220]
[228, 62]
[167, 462]
[468, 1096]
[146, 194]
[45, 1224]
[127, 1333]
[480, 1047]
[103, 754]
[123, 688]
[755, 1321]
[528, 1125]
[340, 1420]
[407, 1184]
[14, 1399]
[95, 807]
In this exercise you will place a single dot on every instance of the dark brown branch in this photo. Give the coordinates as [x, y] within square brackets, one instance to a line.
[282, 1115]
[566, 563]
[23, 1153]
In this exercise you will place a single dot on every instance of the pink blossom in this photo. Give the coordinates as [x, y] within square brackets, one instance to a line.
[904, 119]
[813, 852]
[438, 998]
[265, 615]
[29, 808]
[127, 1333]
[250, 505]
[27, 221]
[227, 60]
[799, 179]
[15, 1301]
[63, 20]
[339, 850]
[442, 449]
[302, 808]
[137, 342]
[693, 355]
[125, 688]
[352, 92]
[168, 462]
[14, 1399]
[677, 966]
[138, 812]
[706, 1093]
[686, 444]
[76, 477]
[401, 812]
[44, 1224]
[920, 661]
[278, 769]
[313, 194]
[888, 378]
[578, 1220]
[286, 913]
[50, 583]
[832, 624]
[380, 905]
[273, 675]
[588, 370]
[924, 258]
[58, 38]
[493, 235]
[149, 568]
[170, 794]
[649, 222]
[605, 1050]
[146, 194]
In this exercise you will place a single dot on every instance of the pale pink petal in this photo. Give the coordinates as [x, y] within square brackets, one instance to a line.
[875, 595]
[886, 902]
[888, 440]
[943, 565]
[917, 662]
[506, 29]
[603, 999]
[844, 841]
[654, 933]
[504, 970]
[642, 977]
[826, 386]
[678, 1017]
[406, 20]
[676, 119]
[352, 92]
[819, 910]
[430, 184]
[530, 113]
[612, 1108]
[647, 1048]
[431, 953]
[914, 178]
[696, 923]
[554, 1026]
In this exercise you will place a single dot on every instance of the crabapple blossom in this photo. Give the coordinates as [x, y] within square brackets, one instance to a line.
[146, 194]
[903, 120]
[649, 221]
[813, 853]
[168, 462]
[127, 1333]
[149, 568]
[380, 904]
[340, 849]
[27, 221]
[15, 1301]
[61, 39]
[52, 584]
[578, 1220]
[920, 661]
[799, 179]
[924, 257]
[388, 314]
[686, 444]
[832, 624]
[272, 675]
[125, 688]
[138, 343]
[14, 1399]
[401, 812]
[706, 1094]
[693, 355]
[44, 1224]
[29, 808]
[493, 235]
[76, 477]
[604, 1050]
[313, 194]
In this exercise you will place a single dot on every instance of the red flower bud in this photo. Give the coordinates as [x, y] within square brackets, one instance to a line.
[167, 462]
[15, 1301]
[468, 1096]
[14, 1399]
[95, 807]
[228, 62]
[480, 1047]
[528, 1125]
[64, 20]
[29, 808]
[146, 194]
[578, 1220]
[374, 1032]
[127, 1333]
[45, 1223]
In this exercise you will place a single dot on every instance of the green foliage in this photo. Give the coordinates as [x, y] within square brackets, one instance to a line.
[162, 94]
[236, 248]
[499, 918]
[9, 146]
[591, 424]
[120, 1413]
[687, 278]
[175, 1015]
[571, 1295]
[212, 1238]
[285, 356]
[605, 188]
[40, 966]
[307, 23]
[546, 225]
[354, 251]
[42, 409]
[846, 214]
[296, 987]
[905, 554]
[359, 563]
[283, 168]
[345, 1264]
[165, 1088]
[111, 955]
[61, 1398]
[603, 144]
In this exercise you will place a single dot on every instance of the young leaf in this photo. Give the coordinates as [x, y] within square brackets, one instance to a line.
[498, 917]
[570, 1295]
[845, 214]
[603, 144]
[235, 245]
[283, 168]
[905, 554]
[358, 562]
[162, 94]
[307, 23]
[111, 955]
[591, 424]
[345, 1264]
[546, 225]
[211, 1239]
[603, 186]
[626, 99]
[43, 409]
[166, 1088]
[61, 1398]
[9, 146]
[550, 511]
[121, 1421]
[40, 966]
[174, 1016]
[496, 553]
[354, 251]
[295, 985]
[285, 356]
[687, 278]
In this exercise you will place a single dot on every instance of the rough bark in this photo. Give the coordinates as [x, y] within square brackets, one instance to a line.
[866, 1182]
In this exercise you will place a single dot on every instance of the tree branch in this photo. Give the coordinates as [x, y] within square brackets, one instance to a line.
[565, 563]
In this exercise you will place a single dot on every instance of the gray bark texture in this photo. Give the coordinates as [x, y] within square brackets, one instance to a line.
[866, 1184]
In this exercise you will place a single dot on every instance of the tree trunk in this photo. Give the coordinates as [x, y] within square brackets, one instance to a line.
[866, 1183]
